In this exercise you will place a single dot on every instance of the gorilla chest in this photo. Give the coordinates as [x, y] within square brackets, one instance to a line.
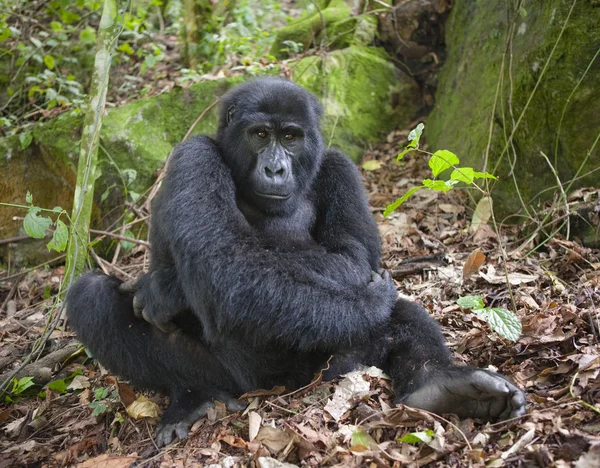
[288, 231]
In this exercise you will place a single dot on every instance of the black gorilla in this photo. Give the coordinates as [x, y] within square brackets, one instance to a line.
[264, 255]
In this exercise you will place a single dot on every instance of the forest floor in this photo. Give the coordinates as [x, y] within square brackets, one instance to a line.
[87, 418]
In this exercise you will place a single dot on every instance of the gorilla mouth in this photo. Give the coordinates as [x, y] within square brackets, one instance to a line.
[273, 196]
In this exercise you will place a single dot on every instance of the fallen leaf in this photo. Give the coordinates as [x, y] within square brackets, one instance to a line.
[254, 421]
[272, 438]
[482, 213]
[473, 263]
[143, 408]
[341, 401]
[79, 382]
[106, 461]
[371, 165]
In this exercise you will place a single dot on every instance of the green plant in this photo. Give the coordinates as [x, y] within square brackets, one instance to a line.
[37, 226]
[439, 162]
[502, 321]
[104, 401]
[19, 386]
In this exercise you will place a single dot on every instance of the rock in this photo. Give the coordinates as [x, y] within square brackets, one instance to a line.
[460, 122]
[304, 30]
[364, 95]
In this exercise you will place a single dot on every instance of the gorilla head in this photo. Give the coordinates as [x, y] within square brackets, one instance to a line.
[270, 138]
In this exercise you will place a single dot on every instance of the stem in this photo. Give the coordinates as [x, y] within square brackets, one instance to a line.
[108, 33]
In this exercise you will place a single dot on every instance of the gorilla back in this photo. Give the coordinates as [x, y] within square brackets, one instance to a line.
[265, 261]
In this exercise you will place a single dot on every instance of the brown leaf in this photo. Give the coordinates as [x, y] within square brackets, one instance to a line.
[473, 263]
[255, 393]
[106, 461]
[272, 438]
[143, 408]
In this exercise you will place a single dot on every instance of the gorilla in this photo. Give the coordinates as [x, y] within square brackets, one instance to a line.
[264, 264]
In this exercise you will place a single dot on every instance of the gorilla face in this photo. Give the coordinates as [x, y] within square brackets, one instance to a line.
[270, 139]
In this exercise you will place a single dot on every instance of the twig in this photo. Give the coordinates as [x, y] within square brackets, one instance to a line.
[120, 237]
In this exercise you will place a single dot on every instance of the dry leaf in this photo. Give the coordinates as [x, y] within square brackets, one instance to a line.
[254, 421]
[79, 382]
[106, 461]
[143, 408]
[371, 165]
[482, 214]
[473, 263]
[272, 438]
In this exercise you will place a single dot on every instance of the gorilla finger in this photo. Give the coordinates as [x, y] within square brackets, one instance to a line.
[386, 275]
[182, 430]
[489, 384]
[138, 306]
[375, 277]
[234, 405]
[128, 286]
[165, 327]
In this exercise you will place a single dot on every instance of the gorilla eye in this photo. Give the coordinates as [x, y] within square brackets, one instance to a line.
[289, 137]
[261, 134]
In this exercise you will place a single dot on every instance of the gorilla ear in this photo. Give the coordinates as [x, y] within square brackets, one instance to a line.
[230, 114]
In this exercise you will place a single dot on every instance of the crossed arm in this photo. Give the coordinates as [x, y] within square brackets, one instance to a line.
[207, 258]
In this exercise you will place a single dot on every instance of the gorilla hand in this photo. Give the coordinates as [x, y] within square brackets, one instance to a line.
[381, 293]
[155, 299]
[470, 393]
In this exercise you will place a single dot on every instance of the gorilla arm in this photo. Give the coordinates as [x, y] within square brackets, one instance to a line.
[235, 286]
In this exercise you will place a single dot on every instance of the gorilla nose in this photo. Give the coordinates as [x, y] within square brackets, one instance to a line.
[275, 172]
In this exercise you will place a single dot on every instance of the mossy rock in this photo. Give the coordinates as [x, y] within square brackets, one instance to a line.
[305, 30]
[465, 97]
[363, 94]
[358, 30]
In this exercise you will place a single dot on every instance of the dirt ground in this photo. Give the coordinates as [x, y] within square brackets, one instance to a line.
[86, 417]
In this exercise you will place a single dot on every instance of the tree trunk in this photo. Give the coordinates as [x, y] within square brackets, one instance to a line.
[108, 33]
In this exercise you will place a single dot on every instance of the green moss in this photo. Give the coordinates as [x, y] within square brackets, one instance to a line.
[466, 93]
[358, 30]
[305, 30]
[364, 96]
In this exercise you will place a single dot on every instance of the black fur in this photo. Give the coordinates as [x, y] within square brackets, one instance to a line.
[261, 290]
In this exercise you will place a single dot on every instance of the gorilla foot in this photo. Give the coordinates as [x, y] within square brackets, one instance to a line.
[178, 418]
[470, 393]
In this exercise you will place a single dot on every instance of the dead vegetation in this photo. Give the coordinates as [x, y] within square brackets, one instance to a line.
[90, 419]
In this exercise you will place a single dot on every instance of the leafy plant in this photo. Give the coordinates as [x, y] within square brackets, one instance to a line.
[104, 401]
[439, 162]
[19, 386]
[37, 226]
[418, 437]
[502, 321]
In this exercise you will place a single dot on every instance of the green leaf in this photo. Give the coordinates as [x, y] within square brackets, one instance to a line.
[25, 139]
[29, 197]
[5, 33]
[59, 237]
[101, 393]
[126, 48]
[127, 246]
[393, 206]
[471, 302]
[88, 36]
[463, 174]
[361, 438]
[404, 153]
[371, 165]
[69, 16]
[99, 407]
[56, 26]
[59, 386]
[49, 61]
[130, 175]
[484, 175]
[105, 194]
[442, 160]
[439, 185]
[36, 226]
[502, 321]
[57, 209]
[415, 135]
[19, 386]
[418, 437]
